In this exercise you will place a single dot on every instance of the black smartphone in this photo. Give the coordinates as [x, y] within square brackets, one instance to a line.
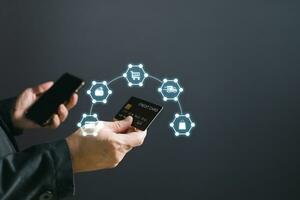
[43, 109]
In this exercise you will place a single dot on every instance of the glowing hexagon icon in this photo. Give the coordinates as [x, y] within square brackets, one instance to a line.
[135, 75]
[170, 89]
[90, 125]
[99, 92]
[182, 124]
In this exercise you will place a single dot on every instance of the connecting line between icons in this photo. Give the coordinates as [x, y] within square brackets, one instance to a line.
[157, 79]
[113, 80]
[91, 109]
[170, 90]
[150, 76]
[180, 107]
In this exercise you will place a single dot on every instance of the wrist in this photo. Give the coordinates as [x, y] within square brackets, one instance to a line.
[7, 112]
[15, 121]
[18, 121]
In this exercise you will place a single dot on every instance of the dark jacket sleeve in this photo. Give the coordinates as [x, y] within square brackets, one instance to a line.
[41, 172]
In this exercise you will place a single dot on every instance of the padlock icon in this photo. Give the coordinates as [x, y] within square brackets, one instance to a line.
[99, 92]
[182, 125]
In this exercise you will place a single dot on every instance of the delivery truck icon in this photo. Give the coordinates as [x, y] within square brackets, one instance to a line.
[170, 89]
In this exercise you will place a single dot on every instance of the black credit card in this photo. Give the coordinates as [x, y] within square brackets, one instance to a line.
[143, 112]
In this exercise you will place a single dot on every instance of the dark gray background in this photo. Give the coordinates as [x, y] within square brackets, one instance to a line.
[237, 60]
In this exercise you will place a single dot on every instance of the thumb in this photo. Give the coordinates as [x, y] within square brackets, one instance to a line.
[122, 125]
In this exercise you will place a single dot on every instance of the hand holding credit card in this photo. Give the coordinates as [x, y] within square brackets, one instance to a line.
[143, 112]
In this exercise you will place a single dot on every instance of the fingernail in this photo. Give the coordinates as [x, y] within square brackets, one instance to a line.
[128, 118]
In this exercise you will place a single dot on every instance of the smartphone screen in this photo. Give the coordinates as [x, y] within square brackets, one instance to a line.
[62, 90]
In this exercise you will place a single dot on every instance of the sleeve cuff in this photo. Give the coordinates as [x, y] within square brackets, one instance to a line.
[63, 169]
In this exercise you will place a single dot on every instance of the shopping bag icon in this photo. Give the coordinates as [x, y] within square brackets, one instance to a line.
[182, 125]
[99, 92]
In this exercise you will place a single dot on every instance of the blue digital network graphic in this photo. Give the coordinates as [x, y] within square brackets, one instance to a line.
[135, 75]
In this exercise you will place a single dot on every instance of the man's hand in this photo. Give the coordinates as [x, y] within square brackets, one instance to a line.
[105, 150]
[28, 97]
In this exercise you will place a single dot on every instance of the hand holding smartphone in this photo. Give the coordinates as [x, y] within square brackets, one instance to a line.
[43, 109]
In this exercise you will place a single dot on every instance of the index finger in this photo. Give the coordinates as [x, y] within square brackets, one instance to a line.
[41, 88]
[72, 101]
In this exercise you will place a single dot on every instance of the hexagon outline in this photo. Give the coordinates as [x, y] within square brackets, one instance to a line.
[141, 83]
[95, 132]
[162, 85]
[188, 132]
[104, 83]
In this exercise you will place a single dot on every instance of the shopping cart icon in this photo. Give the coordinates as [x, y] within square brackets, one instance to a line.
[135, 75]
